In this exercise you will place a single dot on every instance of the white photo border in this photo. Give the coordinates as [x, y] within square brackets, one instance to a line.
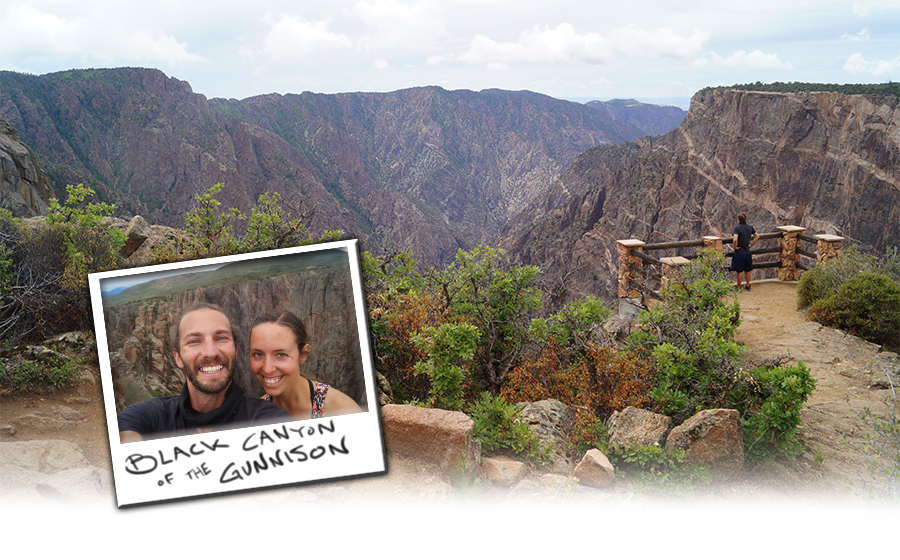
[249, 458]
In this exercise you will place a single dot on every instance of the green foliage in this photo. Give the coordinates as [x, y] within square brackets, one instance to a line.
[38, 375]
[691, 336]
[497, 426]
[212, 229]
[574, 326]
[772, 430]
[890, 88]
[88, 247]
[651, 467]
[481, 288]
[44, 268]
[76, 211]
[866, 305]
[214, 232]
[484, 288]
[449, 349]
[826, 279]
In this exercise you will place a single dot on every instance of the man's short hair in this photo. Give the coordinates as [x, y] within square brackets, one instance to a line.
[742, 217]
[175, 338]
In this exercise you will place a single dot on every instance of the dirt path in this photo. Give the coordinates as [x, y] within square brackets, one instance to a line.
[830, 427]
[771, 327]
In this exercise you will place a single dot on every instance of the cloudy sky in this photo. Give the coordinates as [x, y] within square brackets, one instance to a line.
[572, 49]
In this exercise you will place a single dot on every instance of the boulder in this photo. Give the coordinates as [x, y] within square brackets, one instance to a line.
[549, 420]
[636, 426]
[712, 439]
[137, 232]
[595, 470]
[439, 437]
[503, 471]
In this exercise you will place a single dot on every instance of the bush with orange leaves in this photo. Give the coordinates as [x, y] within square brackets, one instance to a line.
[595, 381]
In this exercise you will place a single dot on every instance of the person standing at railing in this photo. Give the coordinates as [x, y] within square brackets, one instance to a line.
[744, 237]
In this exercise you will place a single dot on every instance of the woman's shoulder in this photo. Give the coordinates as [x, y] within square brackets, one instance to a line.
[338, 403]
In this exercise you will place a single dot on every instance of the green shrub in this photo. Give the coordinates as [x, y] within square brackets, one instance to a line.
[772, 430]
[449, 349]
[651, 467]
[867, 305]
[37, 375]
[826, 279]
[691, 337]
[214, 232]
[497, 426]
[44, 268]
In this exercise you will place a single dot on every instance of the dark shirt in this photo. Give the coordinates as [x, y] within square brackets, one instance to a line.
[173, 416]
[745, 233]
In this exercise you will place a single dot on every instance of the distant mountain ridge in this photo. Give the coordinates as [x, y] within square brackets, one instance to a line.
[654, 120]
[424, 168]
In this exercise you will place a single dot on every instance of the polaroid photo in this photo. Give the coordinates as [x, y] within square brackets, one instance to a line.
[201, 361]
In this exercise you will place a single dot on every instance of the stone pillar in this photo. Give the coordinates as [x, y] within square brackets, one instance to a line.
[626, 261]
[670, 268]
[712, 243]
[828, 247]
[789, 243]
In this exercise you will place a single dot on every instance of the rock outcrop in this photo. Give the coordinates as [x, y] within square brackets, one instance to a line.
[712, 439]
[636, 426]
[24, 188]
[440, 437]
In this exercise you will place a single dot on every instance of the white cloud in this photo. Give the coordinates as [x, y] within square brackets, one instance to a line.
[105, 38]
[756, 60]
[563, 44]
[863, 35]
[860, 9]
[381, 64]
[293, 37]
[408, 25]
[858, 64]
[636, 41]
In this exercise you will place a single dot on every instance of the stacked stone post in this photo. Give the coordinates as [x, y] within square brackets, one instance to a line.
[828, 247]
[713, 243]
[789, 244]
[626, 260]
[670, 268]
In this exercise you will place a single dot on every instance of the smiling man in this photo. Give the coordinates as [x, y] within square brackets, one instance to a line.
[205, 347]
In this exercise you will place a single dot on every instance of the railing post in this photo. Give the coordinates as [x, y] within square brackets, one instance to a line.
[828, 247]
[626, 261]
[713, 243]
[669, 268]
[789, 243]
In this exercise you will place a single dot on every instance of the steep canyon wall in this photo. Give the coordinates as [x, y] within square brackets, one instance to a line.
[828, 162]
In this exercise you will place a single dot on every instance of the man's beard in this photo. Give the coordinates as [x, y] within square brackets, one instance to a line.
[211, 387]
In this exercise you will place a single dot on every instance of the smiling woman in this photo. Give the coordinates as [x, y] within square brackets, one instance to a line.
[278, 349]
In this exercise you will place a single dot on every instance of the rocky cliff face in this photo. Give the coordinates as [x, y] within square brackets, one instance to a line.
[24, 187]
[141, 355]
[824, 161]
[424, 168]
